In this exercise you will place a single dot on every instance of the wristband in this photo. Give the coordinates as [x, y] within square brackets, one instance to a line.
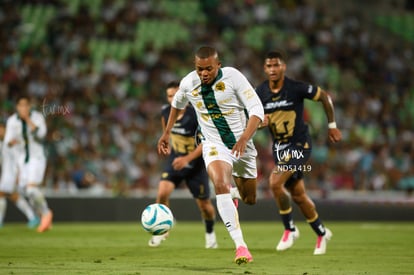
[332, 125]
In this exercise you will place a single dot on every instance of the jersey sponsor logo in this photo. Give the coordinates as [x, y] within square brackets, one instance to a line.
[206, 117]
[277, 104]
[181, 131]
[216, 116]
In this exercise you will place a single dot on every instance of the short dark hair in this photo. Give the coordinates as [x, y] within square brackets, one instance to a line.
[173, 84]
[21, 97]
[277, 54]
[206, 52]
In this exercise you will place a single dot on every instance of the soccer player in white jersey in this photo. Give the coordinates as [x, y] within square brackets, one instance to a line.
[229, 113]
[25, 131]
[8, 185]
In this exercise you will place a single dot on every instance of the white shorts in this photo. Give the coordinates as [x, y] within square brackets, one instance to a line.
[8, 179]
[32, 171]
[243, 167]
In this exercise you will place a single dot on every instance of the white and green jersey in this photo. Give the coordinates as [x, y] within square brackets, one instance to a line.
[223, 107]
[30, 143]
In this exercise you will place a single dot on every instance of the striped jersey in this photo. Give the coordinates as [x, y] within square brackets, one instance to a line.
[30, 143]
[222, 107]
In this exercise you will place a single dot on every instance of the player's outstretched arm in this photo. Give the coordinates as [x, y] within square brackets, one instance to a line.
[182, 161]
[164, 141]
[334, 134]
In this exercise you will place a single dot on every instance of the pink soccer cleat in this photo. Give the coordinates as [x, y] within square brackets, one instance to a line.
[321, 242]
[287, 240]
[243, 255]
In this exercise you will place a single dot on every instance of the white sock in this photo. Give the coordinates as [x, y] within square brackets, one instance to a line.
[24, 206]
[230, 217]
[235, 193]
[3, 206]
[37, 199]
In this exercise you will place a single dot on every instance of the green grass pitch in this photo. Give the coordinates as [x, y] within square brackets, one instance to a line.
[121, 248]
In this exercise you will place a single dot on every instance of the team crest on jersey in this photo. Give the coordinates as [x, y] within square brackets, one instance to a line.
[220, 86]
[194, 92]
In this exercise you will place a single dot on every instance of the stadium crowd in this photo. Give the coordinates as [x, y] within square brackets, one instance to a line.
[103, 109]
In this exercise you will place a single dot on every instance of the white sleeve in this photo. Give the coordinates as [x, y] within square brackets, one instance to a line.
[40, 123]
[248, 96]
[9, 132]
[257, 110]
[180, 99]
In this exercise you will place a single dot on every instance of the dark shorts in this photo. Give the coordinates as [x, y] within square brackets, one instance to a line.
[195, 177]
[293, 157]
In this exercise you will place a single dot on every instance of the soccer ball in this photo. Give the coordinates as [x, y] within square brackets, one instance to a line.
[157, 219]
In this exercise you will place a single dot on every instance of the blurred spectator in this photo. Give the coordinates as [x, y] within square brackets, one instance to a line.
[98, 75]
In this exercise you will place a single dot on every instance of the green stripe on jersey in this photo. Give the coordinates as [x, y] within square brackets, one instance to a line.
[216, 115]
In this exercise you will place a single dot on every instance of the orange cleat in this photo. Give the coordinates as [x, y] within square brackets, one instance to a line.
[46, 222]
